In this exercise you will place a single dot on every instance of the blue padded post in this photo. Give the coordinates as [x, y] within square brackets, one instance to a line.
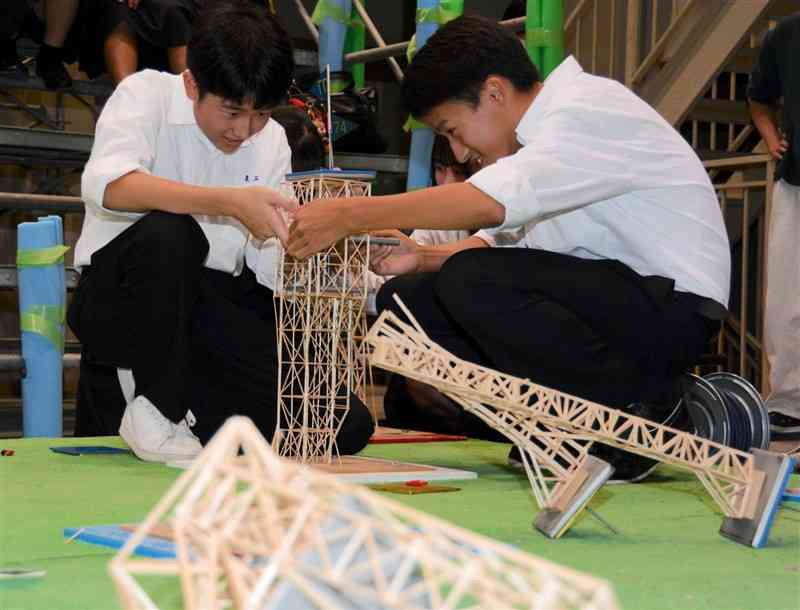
[419, 157]
[333, 16]
[40, 263]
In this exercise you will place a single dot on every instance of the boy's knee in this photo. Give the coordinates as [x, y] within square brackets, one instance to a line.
[178, 237]
[460, 275]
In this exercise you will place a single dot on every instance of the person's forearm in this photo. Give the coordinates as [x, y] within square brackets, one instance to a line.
[764, 120]
[452, 206]
[433, 257]
[140, 192]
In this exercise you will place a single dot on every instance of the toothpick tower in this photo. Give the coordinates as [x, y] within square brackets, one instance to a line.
[320, 311]
[253, 531]
[554, 430]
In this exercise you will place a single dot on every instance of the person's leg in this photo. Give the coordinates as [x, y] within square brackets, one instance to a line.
[58, 17]
[132, 308]
[100, 401]
[236, 362]
[782, 309]
[591, 328]
[121, 51]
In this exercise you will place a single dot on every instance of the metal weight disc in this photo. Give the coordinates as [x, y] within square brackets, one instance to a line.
[741, 421]
[702, 421]
[707, 410]
[751, 399]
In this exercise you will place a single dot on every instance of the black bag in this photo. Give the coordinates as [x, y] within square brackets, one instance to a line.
[354, 112]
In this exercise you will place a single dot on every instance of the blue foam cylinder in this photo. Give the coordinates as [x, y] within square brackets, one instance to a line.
[419, 157]
[331, 38]
[41, 285]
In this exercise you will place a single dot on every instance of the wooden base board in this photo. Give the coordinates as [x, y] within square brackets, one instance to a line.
[384, 435]
[358, 469]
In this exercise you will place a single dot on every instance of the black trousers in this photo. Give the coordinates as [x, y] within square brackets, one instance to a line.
[195, 338]
[591, 328]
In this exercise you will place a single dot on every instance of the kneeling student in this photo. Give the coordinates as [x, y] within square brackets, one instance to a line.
[177, 333]
[621, 267]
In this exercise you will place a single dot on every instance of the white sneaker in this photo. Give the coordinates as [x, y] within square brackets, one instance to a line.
[184, 427]
[152, 437]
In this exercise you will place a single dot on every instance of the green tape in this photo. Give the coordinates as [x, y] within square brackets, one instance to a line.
[540, 37]
[41, 256]
[328, 9]
[447, 10]
[45, 320]
[412, 124]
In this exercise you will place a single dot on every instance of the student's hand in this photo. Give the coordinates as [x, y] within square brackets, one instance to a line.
[316, 226]
[264, 211]
[395, 260]
[777, 148]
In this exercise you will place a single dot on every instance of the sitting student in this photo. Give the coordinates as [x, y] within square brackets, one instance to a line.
[308, 150]
[622, 269]
[173, 323]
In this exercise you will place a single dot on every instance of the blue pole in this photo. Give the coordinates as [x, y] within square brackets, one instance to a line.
[419, 158]
[41, 304]
[332, 33]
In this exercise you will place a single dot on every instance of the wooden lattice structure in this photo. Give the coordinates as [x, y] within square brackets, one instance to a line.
[554, 430]
[255, 531]
[320, 311]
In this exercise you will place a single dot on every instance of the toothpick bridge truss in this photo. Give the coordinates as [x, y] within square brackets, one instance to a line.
[257, 532]
[554, 430]
[321, 323]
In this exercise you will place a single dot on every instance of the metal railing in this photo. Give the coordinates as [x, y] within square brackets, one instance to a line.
[744, 187]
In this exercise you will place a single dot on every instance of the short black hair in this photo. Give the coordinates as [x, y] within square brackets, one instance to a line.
[308, 151]
[457, 60]
[239, 51]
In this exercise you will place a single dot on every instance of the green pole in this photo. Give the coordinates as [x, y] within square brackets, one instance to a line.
[355, 41]
[552, 44]
[533, 25]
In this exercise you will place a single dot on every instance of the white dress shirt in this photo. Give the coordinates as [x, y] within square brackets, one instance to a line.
[601, 175]
[148, 125]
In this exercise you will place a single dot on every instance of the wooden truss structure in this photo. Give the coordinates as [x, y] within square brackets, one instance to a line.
[321, 324]
[254, 531]
[554, 430]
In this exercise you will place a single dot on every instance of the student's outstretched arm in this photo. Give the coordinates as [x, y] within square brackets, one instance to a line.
[453, 206]
[256, 207]
[412, 257]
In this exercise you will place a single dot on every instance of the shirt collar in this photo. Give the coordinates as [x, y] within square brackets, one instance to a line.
[560, 78]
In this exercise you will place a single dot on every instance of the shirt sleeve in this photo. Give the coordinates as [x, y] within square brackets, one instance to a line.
[569, 166]
[497, 238]
[765, 82]
[125, 138]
